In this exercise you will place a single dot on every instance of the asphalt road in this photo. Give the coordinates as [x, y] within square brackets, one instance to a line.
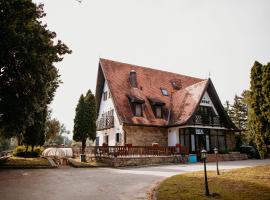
[95, 184]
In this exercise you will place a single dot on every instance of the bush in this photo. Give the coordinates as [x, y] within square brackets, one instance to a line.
[20, 151]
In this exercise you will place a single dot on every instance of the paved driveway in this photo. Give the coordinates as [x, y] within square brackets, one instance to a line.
[94, 184]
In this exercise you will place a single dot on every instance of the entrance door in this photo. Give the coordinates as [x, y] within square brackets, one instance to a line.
[200, 143]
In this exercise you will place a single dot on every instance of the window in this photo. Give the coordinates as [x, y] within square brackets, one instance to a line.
[164, 92]
[110, 112]
[217, 139]
[138, 109]
[106, 139]
[110, 95]
[184, 137]
[117, 137]
[105, 96]
[158, 111]
[176, 84]
[97, 141]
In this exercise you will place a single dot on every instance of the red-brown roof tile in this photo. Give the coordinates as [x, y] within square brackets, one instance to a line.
[180, 103]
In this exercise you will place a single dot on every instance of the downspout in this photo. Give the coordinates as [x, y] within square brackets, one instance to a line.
[170, 109]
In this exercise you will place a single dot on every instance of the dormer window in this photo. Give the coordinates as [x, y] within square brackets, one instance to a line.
[136, 105]
[164, 92]
[138, 109]
[157, 107]
[158, 111]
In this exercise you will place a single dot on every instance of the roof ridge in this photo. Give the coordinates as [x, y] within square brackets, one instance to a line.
[150, 68]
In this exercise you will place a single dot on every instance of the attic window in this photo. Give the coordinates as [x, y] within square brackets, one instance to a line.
[157, 107]
[176, 84]
[136, 105]
[164, 92]
[158, 111]
[105, 96]
[138, 109]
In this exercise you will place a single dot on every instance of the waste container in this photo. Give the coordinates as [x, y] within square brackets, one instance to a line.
[192, 158]
[83, 158]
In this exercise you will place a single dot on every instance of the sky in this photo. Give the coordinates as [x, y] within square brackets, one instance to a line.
[192, 37]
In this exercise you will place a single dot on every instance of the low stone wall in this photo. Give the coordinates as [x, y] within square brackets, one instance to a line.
[227, 157]
[139, 161]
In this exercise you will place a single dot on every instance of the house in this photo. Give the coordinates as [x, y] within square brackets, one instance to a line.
[141, 106]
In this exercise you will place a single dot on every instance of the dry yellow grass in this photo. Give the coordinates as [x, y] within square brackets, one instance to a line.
[241, 184]
[18, 161]
[76, 162]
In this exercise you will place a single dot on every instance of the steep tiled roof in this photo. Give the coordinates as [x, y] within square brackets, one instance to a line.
[185, 102]
[179, 105]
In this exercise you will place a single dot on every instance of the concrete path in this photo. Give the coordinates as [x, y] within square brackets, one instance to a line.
[95, 184]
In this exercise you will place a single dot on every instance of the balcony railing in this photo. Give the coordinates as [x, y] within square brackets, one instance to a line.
[105, 123]
[207, 120]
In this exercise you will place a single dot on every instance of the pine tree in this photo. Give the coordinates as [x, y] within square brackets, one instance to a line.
[266, 92]
[90, 115]
[85, 119]
[238, 114]
[266, 103]
[256, 120]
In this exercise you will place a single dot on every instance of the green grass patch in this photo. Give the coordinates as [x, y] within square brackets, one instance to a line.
[25, 162]
[241, 184]
[76, 162]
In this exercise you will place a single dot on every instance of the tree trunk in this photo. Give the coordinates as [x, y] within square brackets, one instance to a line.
[26, 150]
[83, 146]
[19, 139]
[32, 150]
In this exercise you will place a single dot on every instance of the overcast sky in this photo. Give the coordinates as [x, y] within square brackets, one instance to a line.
[191, 37]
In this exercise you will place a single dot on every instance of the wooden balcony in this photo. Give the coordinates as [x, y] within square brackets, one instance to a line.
[207, 120]
[104, 123]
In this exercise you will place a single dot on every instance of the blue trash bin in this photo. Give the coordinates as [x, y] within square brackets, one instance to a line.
[192, 158]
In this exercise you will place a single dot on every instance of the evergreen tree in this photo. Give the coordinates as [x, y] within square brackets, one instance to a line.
[85, 119]
[266, 92]
[238, 113]
[256, 120]
[90, 115]
[79, 130]
[28, 77]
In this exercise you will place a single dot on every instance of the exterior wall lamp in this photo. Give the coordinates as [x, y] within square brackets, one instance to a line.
[204, 156]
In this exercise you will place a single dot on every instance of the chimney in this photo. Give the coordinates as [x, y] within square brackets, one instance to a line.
[133, 78]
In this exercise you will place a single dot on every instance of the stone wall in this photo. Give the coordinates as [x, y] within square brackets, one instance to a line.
[227, 157]
[139, 161]
[230, 140]
[146, 136]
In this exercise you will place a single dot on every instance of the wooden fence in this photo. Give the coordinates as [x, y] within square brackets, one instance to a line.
[127, 151]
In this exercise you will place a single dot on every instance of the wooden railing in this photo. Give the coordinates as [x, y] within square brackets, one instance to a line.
[207, 120]
[105, 123]
[126, 151]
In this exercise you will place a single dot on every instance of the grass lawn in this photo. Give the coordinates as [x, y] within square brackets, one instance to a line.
[76, 162]
[25, 162]
[241, 184]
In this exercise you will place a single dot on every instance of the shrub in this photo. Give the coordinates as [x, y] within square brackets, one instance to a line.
[20, 151]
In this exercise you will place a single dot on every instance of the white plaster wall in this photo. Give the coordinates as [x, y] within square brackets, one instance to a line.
[105, 106]
[207, 98]
[173, 136]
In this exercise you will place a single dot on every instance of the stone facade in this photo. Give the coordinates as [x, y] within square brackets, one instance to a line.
[230, 140]
[146, 136]
[139, 161]
[232, 156]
